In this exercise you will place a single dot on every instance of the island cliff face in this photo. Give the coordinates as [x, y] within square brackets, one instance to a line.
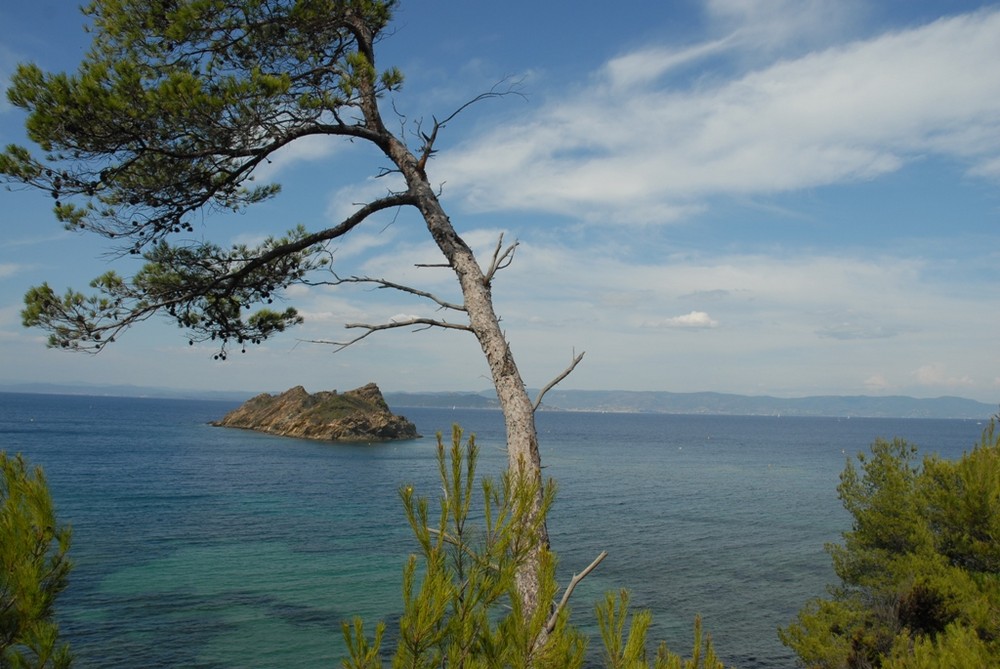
[359, 415]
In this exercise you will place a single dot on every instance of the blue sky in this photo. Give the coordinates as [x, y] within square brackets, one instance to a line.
[781, 197]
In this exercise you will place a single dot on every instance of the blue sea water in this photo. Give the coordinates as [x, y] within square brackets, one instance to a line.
[198, 546]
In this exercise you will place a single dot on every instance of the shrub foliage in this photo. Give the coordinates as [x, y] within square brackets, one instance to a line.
[920, 568]
[33, 569]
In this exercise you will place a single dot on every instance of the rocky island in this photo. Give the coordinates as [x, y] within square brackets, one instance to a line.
[359, 415]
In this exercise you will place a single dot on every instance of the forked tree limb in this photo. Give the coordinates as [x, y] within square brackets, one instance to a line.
[502, 88]
[502, 258]
[575, 581]
[552, 384]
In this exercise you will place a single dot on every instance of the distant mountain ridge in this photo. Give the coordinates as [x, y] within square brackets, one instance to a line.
[625, 401]
[639, 401]
[124, 390]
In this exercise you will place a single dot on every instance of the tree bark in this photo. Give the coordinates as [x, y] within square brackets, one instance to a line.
[523, 455]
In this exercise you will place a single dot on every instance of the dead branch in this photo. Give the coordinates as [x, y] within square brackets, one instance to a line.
[382, 283]
[575, 581]
[562, 375]
[502, 88]
[424, 323]
[501, 260]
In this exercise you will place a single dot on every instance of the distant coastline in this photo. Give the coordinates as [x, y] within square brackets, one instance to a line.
[727, 404]
[611, 401]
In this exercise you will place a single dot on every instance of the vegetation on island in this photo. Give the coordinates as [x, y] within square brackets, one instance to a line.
[359, 415]
[34, 569]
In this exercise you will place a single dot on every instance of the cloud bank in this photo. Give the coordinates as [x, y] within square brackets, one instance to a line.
[632, 147]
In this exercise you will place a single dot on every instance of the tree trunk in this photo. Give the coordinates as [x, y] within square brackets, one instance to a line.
[519, 416]
[523, 455]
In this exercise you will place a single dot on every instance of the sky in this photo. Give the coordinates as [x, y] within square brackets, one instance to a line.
[764, 197]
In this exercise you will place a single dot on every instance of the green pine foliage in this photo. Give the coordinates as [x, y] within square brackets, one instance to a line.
[625, 641]
[919, 570]
[33, 569]
[170, 112]
[460, 602]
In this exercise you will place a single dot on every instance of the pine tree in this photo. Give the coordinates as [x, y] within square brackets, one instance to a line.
[170, 116]
[920, 568]
[461, 606]
[33, 569]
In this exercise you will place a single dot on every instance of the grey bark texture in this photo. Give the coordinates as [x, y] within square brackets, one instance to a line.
[523, 454]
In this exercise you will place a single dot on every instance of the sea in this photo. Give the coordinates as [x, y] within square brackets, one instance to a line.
[208, 547]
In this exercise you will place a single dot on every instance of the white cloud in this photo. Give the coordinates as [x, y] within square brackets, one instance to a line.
[645, 66]
[306, 149]
[771, 24]
[402, 318]
[9, 269]
[359, 242]
[296, 291]
[877, 383]
[989, 168]
[938, 375]
[627, 149]
[347, 200]
[321, 308]
[852, 325]
[696, 320]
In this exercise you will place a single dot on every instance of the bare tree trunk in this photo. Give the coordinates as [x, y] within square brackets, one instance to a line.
[519, 416]
[523, 455]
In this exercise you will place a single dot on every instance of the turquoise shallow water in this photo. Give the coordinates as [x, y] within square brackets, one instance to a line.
[206, 547]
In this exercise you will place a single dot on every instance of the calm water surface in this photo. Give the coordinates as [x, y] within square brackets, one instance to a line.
[206, 547]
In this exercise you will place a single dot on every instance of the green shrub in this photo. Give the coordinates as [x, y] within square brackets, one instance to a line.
[33, 569]
[920, 568]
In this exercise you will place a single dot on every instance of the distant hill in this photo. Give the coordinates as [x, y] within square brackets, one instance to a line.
[124, 390]
[445, 400]
[719, 403]
[625, 401]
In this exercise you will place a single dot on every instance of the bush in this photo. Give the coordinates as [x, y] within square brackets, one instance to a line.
[919, 570]
[33, 569]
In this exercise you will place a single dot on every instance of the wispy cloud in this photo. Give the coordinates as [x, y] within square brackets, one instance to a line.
[937, 375]
[777, 24]
[646, 66]
[307, 149]
[856, 326]
[629, 149]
